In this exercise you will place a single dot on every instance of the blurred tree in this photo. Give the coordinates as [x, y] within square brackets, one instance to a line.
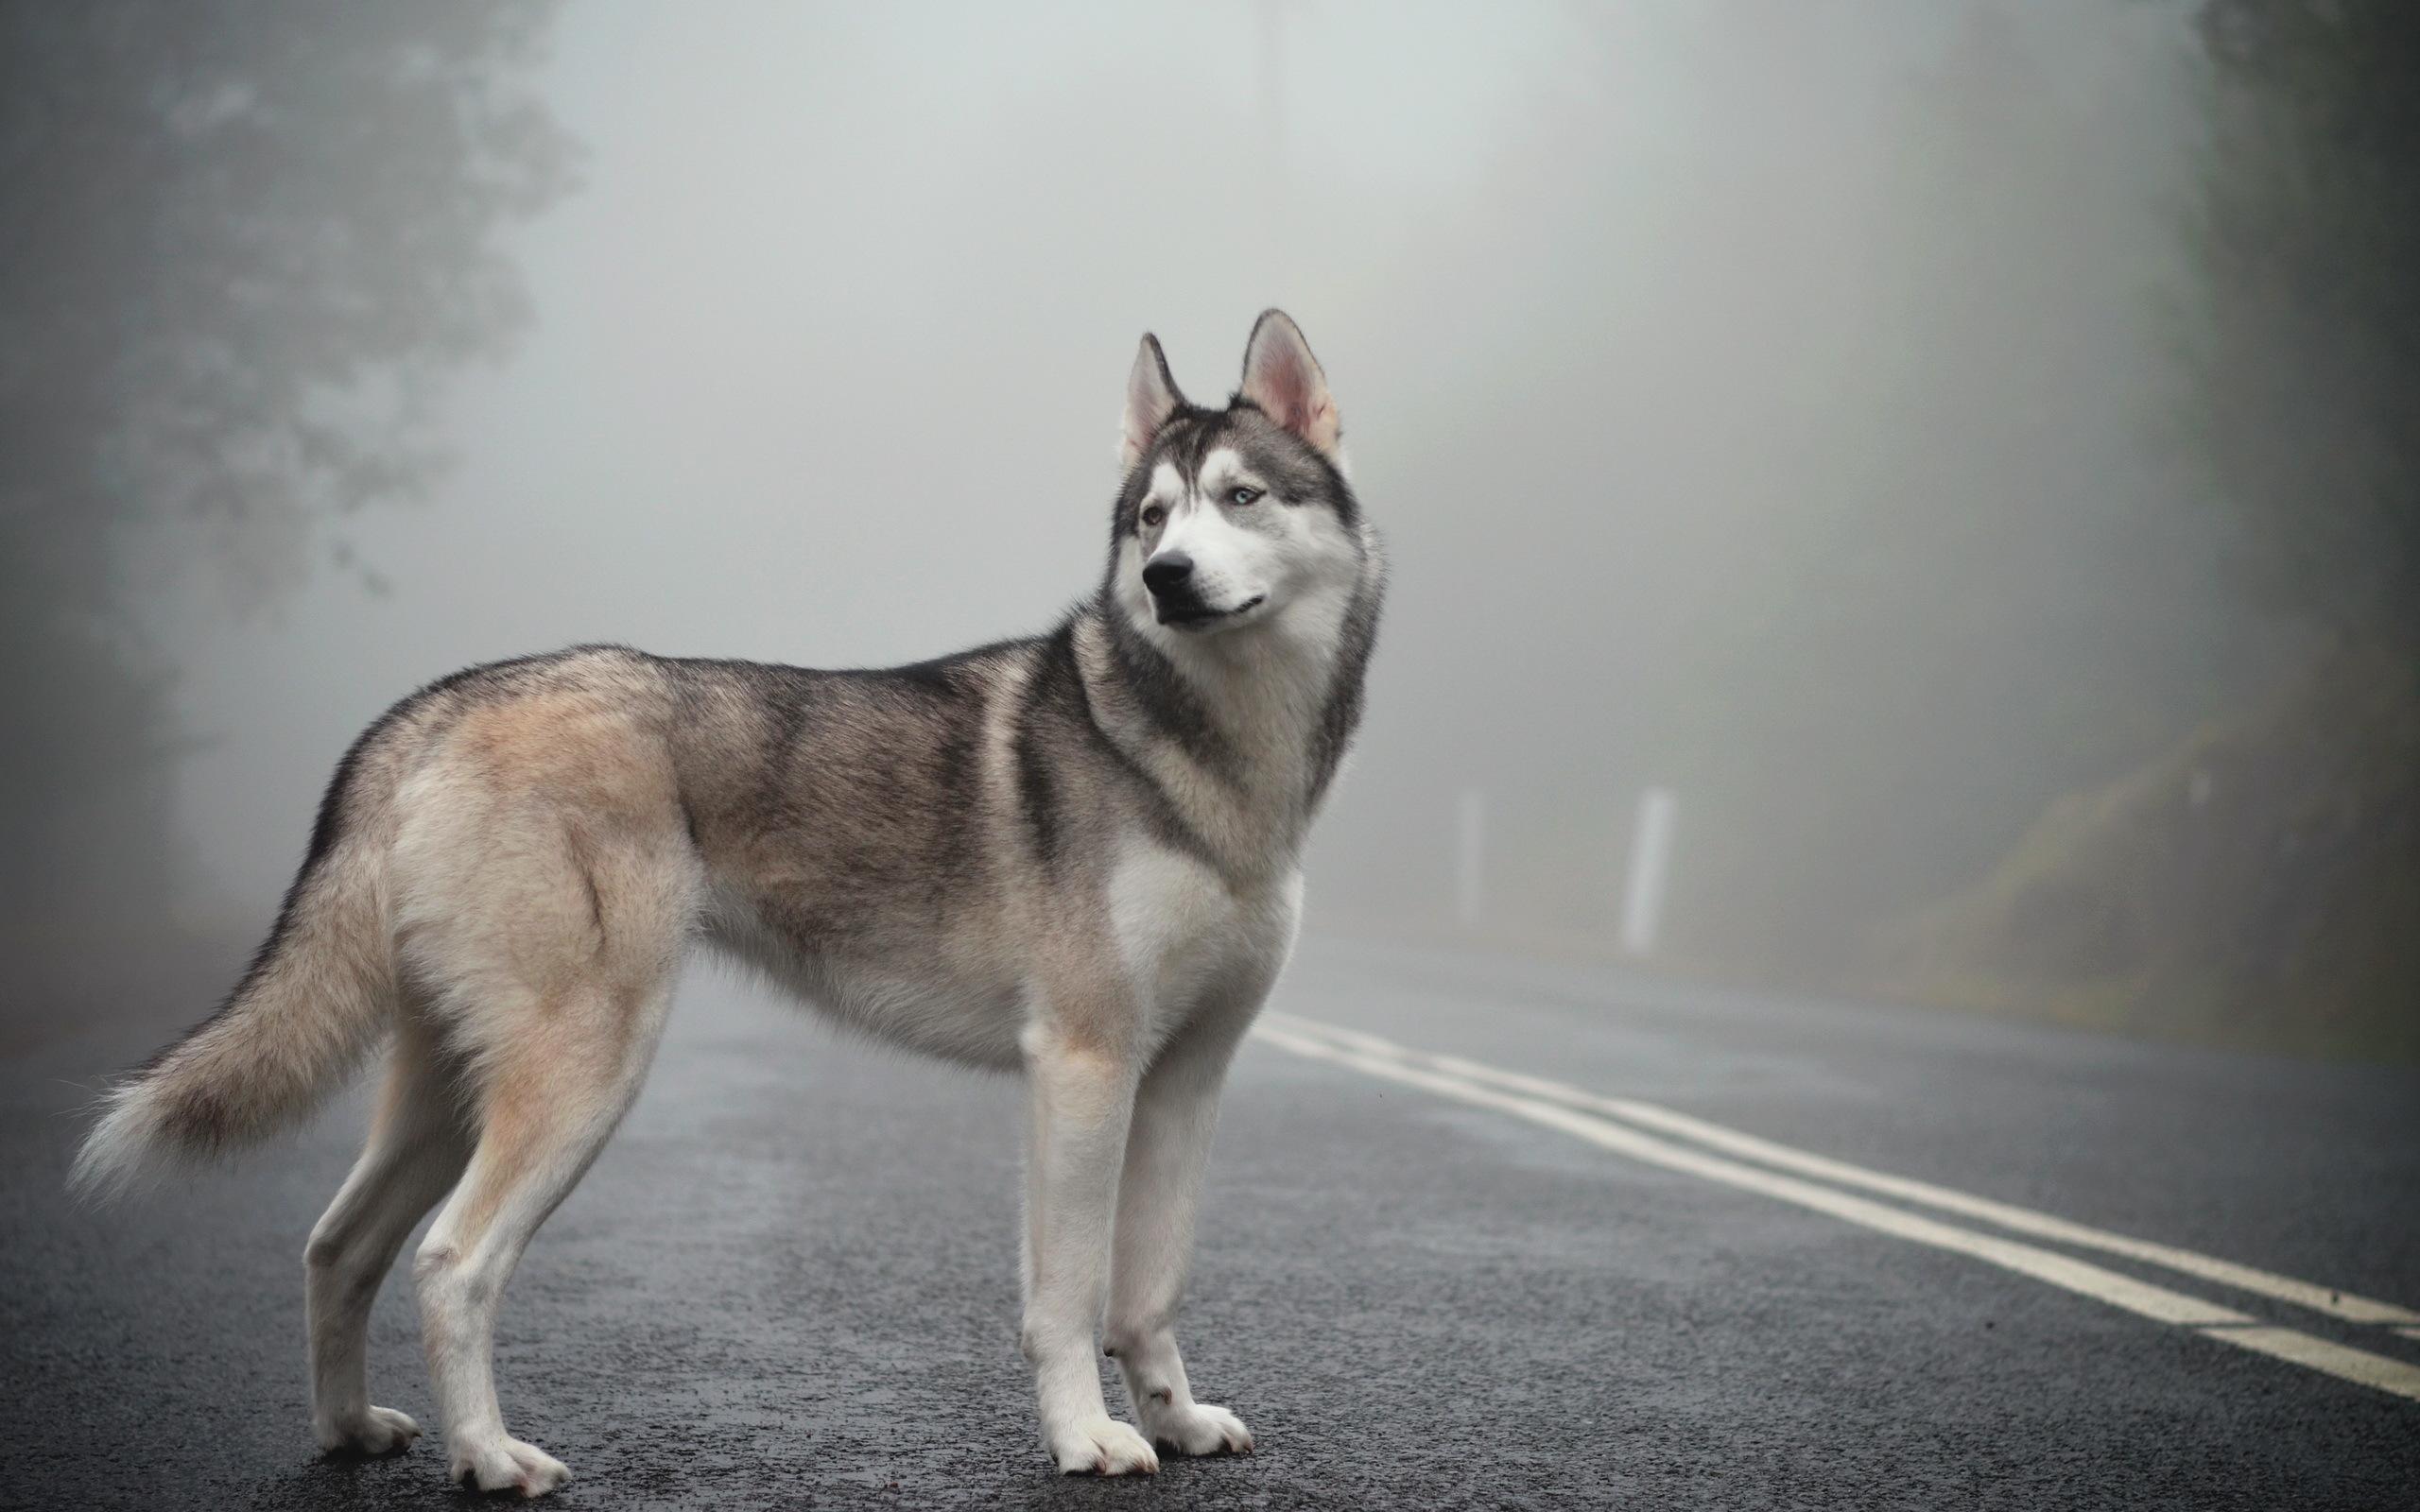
[244, 244]
[1983, 591]
[2307, 232]
[2259, 881]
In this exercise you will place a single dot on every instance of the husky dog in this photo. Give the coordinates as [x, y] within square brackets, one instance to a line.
[1076, 855]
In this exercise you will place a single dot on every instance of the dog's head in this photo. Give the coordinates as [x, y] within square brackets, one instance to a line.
[1233, 517]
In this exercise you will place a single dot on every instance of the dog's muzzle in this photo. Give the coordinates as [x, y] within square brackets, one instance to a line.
[1174, 599]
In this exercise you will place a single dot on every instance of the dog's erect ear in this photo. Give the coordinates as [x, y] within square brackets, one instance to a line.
[1284, 379]
[1150, 399]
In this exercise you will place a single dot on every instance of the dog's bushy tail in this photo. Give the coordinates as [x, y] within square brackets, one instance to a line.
[318, 997]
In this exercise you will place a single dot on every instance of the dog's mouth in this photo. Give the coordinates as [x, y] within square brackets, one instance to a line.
[1201, 616]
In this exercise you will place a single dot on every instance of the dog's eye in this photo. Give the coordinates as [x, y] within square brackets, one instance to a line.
[1241, 495]
[1153, 514]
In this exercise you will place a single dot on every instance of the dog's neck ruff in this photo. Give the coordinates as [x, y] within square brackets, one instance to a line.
[1243, 732]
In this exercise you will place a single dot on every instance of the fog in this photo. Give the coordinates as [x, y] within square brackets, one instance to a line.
[1776, 404]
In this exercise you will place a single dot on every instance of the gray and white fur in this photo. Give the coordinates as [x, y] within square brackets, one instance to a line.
[1074, 855]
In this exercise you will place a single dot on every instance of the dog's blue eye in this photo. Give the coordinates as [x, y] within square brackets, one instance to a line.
[1243, 495]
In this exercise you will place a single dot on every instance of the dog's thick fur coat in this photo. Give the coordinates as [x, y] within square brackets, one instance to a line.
[1074, 855]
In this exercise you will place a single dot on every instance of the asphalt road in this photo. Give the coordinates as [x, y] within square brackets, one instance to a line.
[791, 1281]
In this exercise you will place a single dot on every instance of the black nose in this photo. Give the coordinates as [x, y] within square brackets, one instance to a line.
[1167, 571]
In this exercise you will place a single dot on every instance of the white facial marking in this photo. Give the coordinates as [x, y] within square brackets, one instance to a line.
[1251, 562]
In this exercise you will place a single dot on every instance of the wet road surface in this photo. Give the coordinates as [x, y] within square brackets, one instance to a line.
[791, 1280]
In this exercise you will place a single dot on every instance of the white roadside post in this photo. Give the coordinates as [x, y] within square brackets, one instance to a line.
[1650, 866]
[1469, 858]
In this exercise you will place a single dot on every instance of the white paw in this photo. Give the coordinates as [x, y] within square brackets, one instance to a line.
[1102, 1445]
[508, 1465]
[377, 1431]
[1197, 1427]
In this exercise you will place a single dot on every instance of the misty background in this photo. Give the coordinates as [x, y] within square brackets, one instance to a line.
[1963, 449]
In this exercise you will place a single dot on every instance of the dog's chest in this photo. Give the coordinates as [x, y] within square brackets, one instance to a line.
[1183, 934]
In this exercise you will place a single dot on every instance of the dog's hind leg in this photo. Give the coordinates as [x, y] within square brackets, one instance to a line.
[550, 1097]
[545, 887]
[417, 1148]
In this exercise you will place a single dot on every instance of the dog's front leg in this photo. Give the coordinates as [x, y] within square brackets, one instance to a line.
[1081, 1100]
[1175, 1112]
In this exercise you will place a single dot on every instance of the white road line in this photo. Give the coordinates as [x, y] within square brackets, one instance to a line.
[2328, 1358]
[2059, 1270]
[2328, 1300]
